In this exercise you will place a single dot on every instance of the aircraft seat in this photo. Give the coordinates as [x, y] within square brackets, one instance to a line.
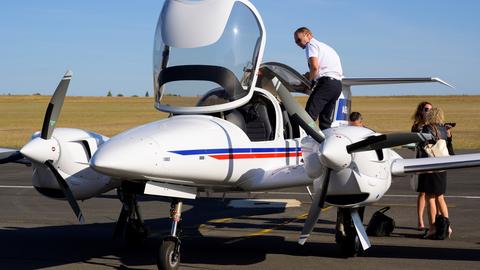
[258, 123]
[235, 117]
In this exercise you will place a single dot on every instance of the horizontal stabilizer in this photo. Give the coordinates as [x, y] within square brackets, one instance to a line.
[373, 81]
[402, 167]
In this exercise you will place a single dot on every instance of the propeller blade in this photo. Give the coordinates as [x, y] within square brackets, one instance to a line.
[316, 135]
[16, 156]
[299, 115]
[67, 191]
[315, 209]
[378, 142]
[55, 106]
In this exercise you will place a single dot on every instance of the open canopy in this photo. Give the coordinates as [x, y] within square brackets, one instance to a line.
[203, 48]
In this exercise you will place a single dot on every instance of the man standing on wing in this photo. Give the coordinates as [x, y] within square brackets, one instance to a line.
[326, 76]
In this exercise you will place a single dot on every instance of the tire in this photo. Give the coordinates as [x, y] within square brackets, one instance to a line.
[166, 259]
[349, 244]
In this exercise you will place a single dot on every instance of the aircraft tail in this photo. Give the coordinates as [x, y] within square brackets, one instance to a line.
[344, 102]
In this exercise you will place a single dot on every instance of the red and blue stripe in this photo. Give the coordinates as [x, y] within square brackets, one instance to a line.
[243, 153]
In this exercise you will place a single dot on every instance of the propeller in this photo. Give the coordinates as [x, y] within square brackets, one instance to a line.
[315, 209]
[378, 142]
[300, 116]
[44, 149]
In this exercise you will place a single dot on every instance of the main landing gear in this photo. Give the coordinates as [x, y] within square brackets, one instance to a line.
[130, 222]
[169, 253]
[346, 234]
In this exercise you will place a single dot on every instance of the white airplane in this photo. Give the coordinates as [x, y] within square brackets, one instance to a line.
[246, 133]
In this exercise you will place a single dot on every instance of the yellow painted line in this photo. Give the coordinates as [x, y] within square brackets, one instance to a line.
[220, 220]
[214, 221]
[268, 230]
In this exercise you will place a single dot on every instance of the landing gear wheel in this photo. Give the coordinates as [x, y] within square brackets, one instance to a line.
[135, 233]
[350, 246]
[169, 254]
[347, 239]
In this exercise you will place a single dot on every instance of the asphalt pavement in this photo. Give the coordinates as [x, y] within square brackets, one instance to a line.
[38, 232]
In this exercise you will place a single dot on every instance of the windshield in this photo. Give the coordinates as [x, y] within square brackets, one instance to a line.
[226, 64]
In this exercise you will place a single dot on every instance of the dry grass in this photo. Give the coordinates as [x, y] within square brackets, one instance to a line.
[23, 115]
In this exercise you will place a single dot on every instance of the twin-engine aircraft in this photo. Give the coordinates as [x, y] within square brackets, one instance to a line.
[246, 133]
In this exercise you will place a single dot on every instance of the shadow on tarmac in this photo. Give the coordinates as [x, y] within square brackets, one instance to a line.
[50, 246]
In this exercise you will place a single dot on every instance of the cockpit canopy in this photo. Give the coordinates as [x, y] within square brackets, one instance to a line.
[207, 46]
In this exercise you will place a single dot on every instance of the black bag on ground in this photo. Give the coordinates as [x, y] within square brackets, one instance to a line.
[380, 224]
[441, 227]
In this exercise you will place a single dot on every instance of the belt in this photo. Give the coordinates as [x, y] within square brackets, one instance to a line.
[324, 78]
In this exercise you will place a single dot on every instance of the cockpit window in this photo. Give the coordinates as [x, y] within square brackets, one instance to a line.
[224, 65]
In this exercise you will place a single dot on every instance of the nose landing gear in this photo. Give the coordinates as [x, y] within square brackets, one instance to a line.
[169, 253]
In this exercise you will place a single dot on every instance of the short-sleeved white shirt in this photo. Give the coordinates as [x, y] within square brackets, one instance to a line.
[328, 60]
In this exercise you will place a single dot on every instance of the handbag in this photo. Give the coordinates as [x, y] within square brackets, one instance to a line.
[439, 148]
[442, 224]
[380, 224]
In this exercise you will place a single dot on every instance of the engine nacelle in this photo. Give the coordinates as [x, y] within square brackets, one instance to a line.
[76, 147]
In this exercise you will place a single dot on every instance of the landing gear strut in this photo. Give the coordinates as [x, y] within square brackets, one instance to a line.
[169, 252]
[130, 222]
[346, 235]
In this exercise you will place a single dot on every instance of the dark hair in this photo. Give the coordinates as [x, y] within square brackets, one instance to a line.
[418, 116]
[355, 116]
[303, 30]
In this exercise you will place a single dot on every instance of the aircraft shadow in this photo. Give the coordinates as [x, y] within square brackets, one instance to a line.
[92, 244]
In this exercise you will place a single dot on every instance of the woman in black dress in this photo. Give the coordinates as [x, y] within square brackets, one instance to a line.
[435, 184]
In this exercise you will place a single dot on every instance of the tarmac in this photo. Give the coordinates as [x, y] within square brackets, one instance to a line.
[39, 232]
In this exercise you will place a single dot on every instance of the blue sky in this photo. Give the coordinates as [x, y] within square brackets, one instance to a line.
[108, 44]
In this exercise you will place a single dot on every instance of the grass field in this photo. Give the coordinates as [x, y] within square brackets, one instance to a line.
[20, 116]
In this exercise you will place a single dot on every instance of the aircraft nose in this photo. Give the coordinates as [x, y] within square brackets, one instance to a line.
[128, 156]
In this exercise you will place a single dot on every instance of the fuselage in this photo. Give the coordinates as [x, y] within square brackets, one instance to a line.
[208, 151]
[194, 150]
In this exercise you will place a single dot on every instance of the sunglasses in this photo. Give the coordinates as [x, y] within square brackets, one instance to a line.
[298, 40]
[426, 109]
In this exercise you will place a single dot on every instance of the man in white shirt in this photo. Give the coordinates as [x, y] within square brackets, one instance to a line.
[326, 76]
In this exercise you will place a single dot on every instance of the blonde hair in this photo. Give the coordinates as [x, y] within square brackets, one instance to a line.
[435, 116]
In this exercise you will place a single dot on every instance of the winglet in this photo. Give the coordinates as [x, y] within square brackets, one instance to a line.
[442, 82]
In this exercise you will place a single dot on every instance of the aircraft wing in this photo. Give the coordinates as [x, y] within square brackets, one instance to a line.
[373, 81]
[4, 152]
[401, 167]
[8, 155]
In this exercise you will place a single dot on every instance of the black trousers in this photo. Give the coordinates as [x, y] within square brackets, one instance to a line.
[321, 103]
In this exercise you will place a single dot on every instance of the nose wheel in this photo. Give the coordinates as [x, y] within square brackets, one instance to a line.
[168, 257]
[169, 254]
